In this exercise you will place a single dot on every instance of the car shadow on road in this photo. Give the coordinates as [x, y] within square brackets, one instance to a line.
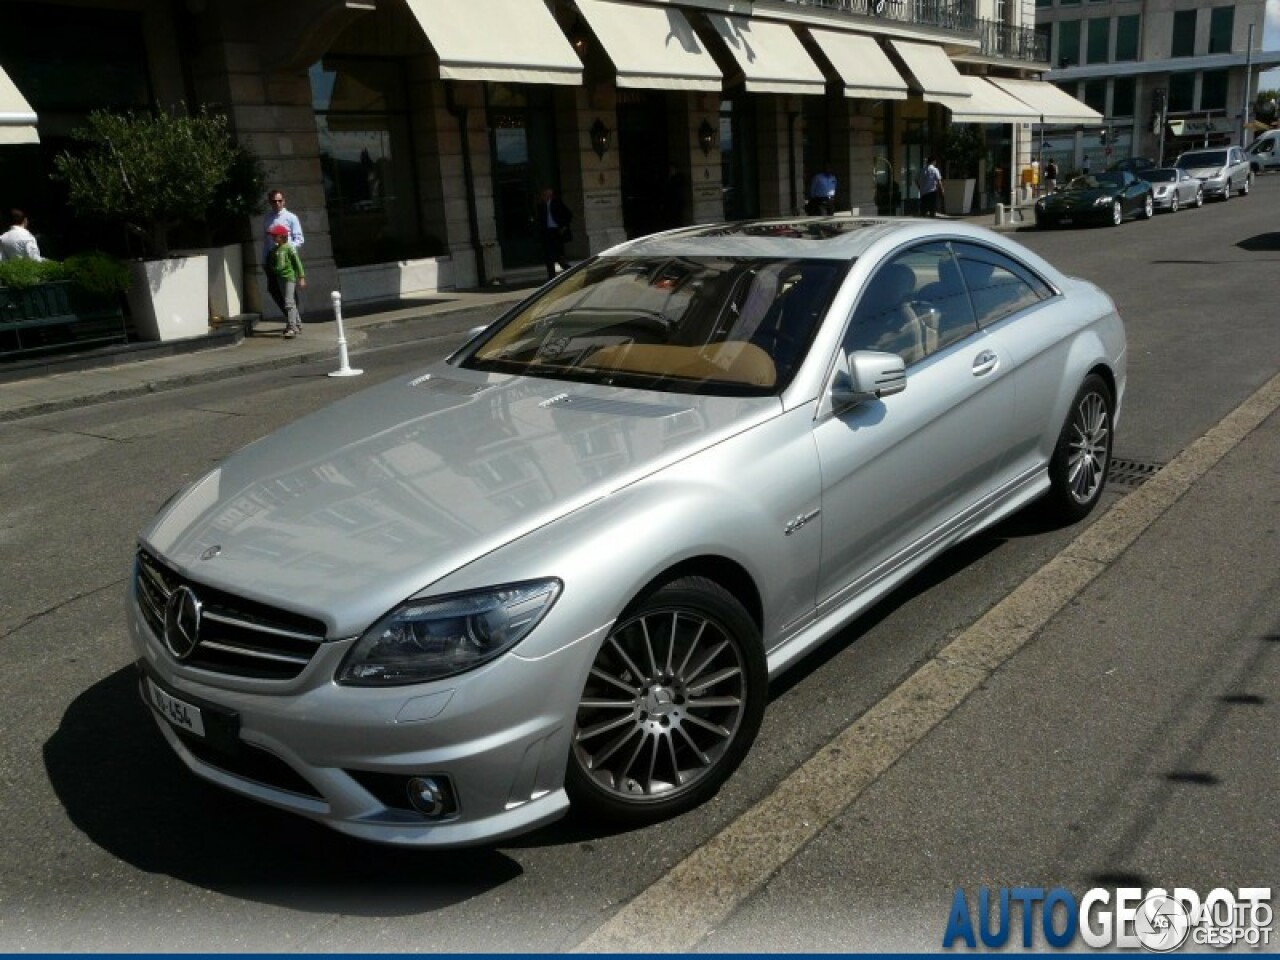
[126, 790]
[1262, 242]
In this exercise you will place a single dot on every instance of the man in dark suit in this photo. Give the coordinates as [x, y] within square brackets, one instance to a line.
[553, 219]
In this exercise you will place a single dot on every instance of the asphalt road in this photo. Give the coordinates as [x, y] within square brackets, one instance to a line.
[1049, 774]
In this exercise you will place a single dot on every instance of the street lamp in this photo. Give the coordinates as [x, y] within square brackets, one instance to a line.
[601, 137]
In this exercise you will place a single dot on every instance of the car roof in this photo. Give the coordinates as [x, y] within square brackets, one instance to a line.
[823, 238]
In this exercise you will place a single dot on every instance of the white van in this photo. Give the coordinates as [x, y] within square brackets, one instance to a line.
[1264, 153]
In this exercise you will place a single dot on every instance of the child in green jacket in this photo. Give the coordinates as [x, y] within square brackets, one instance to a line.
[286, 266]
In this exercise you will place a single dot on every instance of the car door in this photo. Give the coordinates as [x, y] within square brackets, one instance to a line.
[904, 473]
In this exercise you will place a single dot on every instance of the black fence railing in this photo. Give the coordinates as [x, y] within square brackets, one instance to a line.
[959, 16]
[1012, 43]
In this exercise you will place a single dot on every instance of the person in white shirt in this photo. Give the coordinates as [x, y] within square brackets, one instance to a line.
[277, 214]
[929, 181]
[18, 242]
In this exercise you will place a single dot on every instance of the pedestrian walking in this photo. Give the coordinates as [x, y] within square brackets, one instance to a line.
[1050, 176]
[553, 219]
[18, 242]
[285, 267]
[822, 192]
[279, 215]
[929, 181]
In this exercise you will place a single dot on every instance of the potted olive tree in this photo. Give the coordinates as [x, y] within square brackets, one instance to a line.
[964, 150]
[159, 175]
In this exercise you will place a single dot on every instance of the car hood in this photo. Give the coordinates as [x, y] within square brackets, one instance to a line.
[1203, 173]
[350, 510]
[1070, 198]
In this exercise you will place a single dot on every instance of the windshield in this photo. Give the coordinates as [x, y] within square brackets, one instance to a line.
[716, 325]
[1098, 181]
[1203, 158]
[1159, 176]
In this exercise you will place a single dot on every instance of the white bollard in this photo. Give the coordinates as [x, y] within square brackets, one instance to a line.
[344, 367]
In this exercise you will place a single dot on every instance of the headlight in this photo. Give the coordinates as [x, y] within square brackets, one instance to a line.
[438, 637]
[1102, 202]
[1161, 191]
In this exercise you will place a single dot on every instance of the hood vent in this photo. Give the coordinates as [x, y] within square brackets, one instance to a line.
[613, 408]
[454, 388]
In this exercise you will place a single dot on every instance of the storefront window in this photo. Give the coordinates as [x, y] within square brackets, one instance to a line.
[1213, 90]
[1095, 95]
[362, 122]
[1182, 92]
[738, 175]
[1123, 93]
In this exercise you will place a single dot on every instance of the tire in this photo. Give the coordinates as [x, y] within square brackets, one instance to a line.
[1173, 202]
[1117, 214]
[1148, 208]
[1199, 198]
[644, 747]
[1078, 468]
[1248, 182]
[1226, 192]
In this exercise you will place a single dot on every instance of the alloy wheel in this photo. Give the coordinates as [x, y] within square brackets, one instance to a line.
[1173, 203]
[672, 701]
[1089, 447]
[1117, 214]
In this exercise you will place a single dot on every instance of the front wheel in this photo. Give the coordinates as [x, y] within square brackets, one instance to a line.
[1117, 214]
[1173, 203]
[1199, 198]
[1244, 191]
[1148, 207]
[1078, 468]
[673, 702]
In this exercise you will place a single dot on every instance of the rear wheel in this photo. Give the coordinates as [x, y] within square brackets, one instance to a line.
[1078, 468]
[673, 701]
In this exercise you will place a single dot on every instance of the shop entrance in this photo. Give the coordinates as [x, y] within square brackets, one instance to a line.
[522, 143]
[643, 158]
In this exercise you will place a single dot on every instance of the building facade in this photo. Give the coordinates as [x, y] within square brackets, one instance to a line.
[412, 136]
[1167, 75]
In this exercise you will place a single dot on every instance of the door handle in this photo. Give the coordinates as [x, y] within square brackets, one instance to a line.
[984, 363]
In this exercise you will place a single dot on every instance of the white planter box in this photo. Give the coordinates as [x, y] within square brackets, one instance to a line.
[169, 299]
[958, 196]
[226, 278]
[391, 281]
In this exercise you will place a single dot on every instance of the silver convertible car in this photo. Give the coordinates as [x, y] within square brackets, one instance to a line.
[561, 566]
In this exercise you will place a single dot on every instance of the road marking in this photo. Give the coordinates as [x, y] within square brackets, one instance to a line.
[686, 904]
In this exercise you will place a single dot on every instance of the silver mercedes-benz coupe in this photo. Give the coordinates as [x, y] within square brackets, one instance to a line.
[561, 566]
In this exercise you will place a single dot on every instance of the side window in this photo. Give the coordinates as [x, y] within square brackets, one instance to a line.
[913, 306]
[998, 285]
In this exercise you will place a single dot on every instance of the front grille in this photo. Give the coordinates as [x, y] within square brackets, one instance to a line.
[238, 637]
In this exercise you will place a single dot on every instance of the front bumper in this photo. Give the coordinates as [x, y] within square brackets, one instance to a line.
[1215, 188]
[499, 736]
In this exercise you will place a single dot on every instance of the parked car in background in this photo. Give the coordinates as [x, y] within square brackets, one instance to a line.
[563, 564]
[1108, 197]
[1264, 153]
[1134, 164]
[1173, 188]
[1222, 171]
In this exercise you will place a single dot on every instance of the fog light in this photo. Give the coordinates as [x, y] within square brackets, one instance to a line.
[428, 796]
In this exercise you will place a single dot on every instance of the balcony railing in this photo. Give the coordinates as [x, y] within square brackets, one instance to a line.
[1012, 43]
[958, 16]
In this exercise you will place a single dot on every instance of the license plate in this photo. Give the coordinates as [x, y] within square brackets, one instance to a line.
[181, 714]
[1065, 220]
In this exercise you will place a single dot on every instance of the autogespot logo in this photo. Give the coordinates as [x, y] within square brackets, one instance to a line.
[1126, 918]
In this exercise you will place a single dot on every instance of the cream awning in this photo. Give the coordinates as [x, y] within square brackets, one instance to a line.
[770, 54]
[987, 103]
[17, 119]
[651, 46]
[862, 66]
[931, 69]
[1051, 105]
[508, 41]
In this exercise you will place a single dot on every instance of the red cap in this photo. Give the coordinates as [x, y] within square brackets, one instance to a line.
[279, 230]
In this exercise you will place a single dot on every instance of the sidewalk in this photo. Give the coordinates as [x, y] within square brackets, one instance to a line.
[99, 377]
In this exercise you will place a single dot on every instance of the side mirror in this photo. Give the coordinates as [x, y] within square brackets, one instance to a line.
[870, 375]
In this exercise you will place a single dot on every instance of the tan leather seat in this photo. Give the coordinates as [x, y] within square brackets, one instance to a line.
[734, 361]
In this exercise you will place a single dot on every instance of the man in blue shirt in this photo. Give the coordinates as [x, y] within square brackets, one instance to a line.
[278, 214]
[822, 192]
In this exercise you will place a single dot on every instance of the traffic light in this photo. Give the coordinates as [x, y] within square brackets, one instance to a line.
[1102, 138]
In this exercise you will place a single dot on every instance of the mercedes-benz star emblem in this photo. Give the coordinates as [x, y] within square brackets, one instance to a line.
[182, 622]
